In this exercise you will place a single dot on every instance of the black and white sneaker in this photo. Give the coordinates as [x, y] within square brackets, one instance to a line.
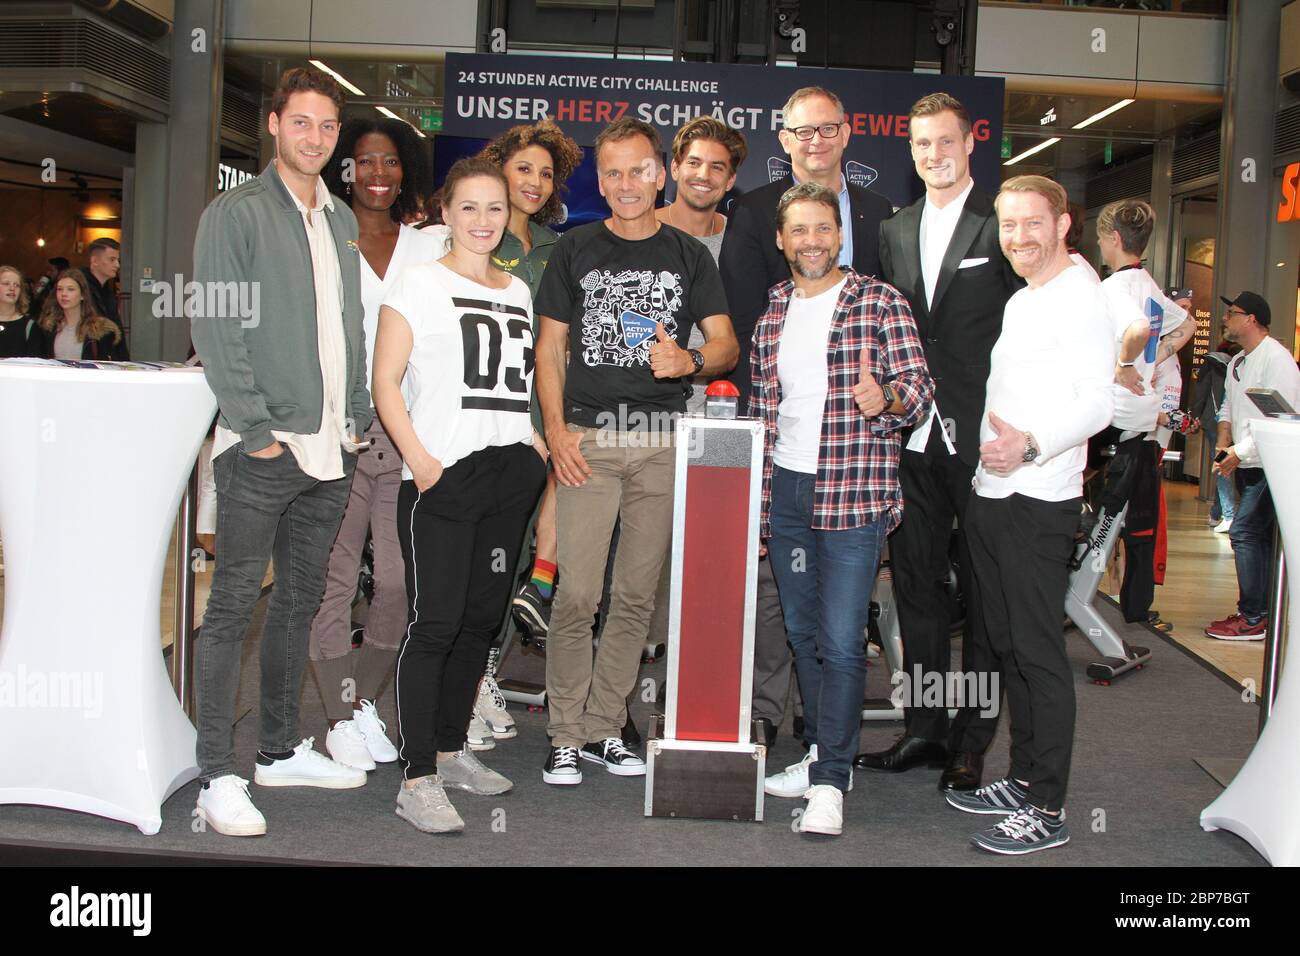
[616, 757]
[1025, 831]
[562, 767]
[1001, 796]
[532, 612]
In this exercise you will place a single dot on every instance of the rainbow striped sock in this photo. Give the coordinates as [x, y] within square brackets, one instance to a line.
[544, 577]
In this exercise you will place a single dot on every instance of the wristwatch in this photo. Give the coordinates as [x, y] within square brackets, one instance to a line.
[888, 391]
[697, 357]
[1031, 449]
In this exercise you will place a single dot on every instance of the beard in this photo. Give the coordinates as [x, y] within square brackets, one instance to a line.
[815, 272]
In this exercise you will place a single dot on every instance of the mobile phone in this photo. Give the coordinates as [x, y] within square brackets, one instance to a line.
[1176, 294]
[1223, 453]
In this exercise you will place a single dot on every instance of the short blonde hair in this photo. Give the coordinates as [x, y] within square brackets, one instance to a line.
[1049, 189]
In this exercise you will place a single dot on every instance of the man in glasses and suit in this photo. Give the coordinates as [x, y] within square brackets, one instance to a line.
[815, 133]
[942, 253]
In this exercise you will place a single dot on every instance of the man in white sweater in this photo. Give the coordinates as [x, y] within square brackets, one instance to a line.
[1049, 391]
[1263, 362]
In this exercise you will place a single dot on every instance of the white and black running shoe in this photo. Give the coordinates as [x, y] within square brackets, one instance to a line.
[1001, 796]
[616, 757]
[532, 612]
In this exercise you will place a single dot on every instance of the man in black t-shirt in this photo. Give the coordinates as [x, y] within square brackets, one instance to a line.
[616, 307]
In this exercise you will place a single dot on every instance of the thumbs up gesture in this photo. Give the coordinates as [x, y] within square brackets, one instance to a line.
[667, 358]
[1005, 453]
[867, 393]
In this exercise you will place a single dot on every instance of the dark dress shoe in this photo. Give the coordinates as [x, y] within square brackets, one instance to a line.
[768, 737]
[963, 772]
[907, 752]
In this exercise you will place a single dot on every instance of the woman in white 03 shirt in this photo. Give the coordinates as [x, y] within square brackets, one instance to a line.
[460, 330]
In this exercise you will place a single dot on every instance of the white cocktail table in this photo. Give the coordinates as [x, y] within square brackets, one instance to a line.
[93, 463]
[1260, 804]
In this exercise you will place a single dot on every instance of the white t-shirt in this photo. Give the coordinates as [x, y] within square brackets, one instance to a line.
[1130, 293]
[470, 373]
[1051, 374]
[413, 247]
[801, 370]
[1269, 365]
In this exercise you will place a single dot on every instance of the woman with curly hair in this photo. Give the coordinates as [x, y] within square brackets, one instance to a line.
[70, 328]
[380, 169]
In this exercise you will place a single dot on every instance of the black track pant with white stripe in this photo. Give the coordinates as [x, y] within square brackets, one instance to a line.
[460, 540]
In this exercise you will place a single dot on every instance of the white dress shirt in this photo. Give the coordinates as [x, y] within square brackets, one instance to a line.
[937, 227]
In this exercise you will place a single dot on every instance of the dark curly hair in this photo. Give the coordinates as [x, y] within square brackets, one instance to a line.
[565, 155]
[417, 172]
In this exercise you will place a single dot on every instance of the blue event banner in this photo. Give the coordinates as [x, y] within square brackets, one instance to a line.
[488, 93]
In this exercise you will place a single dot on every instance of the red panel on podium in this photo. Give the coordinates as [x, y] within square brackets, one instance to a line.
[713, 603]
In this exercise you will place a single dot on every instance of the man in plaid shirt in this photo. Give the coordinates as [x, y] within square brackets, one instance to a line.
[838, 372]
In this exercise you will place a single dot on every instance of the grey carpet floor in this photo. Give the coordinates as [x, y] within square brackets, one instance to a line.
[1134, 799]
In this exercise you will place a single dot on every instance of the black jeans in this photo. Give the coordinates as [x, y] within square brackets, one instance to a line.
[267, 509]
[1133, 478]
[1019, 548]
[936, 489]
[460, 540]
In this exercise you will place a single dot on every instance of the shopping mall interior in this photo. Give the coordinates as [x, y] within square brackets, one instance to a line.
[125, 118]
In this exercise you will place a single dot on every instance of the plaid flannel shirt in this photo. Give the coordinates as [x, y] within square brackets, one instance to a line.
[857, 462]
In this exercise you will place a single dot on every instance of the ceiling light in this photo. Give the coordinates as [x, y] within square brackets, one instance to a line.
[391, 115]
[1114, 108]
[1033, 149]
[352, 87]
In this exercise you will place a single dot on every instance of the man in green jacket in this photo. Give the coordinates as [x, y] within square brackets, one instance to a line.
[290, 379]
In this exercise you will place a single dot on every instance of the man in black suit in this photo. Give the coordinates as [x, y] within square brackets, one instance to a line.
[942, 253]
[815, 133]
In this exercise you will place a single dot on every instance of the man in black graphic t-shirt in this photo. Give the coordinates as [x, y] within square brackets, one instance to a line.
[619, 297]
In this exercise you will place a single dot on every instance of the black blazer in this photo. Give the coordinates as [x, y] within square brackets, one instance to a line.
[751, 263]
[959, 329]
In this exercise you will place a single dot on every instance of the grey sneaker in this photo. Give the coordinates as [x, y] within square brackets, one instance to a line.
[1001, 796]
[427, 808]
[466, 772]
[1025, 831]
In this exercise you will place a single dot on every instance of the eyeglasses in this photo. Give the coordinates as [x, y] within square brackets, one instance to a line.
[805, 133]
[1237, 312]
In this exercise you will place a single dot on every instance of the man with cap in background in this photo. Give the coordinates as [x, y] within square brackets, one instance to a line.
[1263, 362]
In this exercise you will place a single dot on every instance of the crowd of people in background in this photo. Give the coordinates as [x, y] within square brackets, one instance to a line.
[455, 382]
[69, 313]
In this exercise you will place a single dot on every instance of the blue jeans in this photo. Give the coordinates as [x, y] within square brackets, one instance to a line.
[1222, 508]
[1252, 541]
[825, 580]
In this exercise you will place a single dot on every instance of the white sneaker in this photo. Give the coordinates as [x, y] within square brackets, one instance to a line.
[478, 736]
[224, 805]
[490, 707]
[346, 745]
[375, 732]
[825, 811]
[793, 781]
[308, 768]
[1223, 527]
